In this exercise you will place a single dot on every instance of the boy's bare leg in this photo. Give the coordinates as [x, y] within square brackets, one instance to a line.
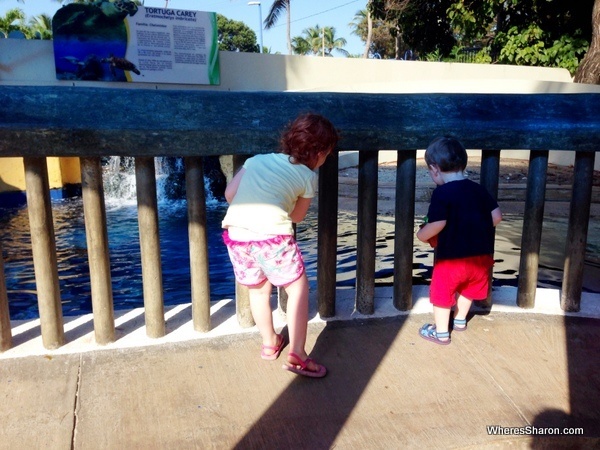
[442, 320]
[260, 305]
[463, 305]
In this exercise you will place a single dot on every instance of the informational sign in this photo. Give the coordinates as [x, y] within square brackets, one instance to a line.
[120, 41]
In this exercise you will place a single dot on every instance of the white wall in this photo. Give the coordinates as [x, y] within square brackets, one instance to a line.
[32, 63]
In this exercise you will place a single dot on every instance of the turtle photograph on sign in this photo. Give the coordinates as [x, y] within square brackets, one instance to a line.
[90, 41]
[118, 40]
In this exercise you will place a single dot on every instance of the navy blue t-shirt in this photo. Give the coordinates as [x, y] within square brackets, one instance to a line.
[466, 207]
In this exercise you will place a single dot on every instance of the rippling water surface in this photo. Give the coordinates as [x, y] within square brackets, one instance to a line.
[126, 267]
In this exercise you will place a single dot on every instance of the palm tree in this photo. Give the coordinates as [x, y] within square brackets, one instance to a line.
[40, 27]
[300, 46]
[12, 21]
[333, 43]
[313, 38]
[319, 41]
[277, 8]
[362, 26]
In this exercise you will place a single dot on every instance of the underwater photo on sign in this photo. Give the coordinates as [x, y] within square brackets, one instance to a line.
[121, 41]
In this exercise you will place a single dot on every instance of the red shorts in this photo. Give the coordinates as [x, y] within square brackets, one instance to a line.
[468, 277]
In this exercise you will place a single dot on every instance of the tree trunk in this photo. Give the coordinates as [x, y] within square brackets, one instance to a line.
[398, 41]
[289, 26]
[589, 70]
[369, 34]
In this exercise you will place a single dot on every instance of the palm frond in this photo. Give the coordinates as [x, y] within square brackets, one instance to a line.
[277, 8]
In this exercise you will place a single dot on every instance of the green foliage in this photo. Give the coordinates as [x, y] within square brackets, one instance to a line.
[383, 39]
[316, 41]
[483, 56]
[529, 48]
[434, 56]
[13, 20]
[40, 27]
[522, 47]
[235, 36]
[552, 33]
[471, 21]
[567, 52]
[422, 24]
[474, 55]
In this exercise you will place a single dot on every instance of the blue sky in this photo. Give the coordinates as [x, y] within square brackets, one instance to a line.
[305, 14]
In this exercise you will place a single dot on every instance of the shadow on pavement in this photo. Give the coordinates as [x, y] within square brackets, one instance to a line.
[582, 350]
[311, 413]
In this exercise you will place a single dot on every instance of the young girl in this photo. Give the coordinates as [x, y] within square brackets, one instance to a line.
[461, 220]
[269, 194]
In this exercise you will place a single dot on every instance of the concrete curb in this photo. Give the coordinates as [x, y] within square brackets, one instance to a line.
[131, 332]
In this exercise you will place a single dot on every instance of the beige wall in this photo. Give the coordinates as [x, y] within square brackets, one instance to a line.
[11, 175]
[26, 62]
[61, 171]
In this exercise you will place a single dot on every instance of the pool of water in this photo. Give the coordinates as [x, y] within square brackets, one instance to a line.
[124, 250]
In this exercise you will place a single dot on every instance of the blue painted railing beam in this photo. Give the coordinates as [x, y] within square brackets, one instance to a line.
[41, 121]
[71, 121]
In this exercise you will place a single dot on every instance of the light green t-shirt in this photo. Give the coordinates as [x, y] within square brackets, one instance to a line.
[267, 194]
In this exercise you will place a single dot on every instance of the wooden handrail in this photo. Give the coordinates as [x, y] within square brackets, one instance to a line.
[77, 121]
[37, 122]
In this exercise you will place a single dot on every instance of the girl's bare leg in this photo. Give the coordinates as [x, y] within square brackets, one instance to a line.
[297, 314]
[260, 305]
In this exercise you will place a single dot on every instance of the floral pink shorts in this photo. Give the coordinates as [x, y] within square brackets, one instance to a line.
[277, 259]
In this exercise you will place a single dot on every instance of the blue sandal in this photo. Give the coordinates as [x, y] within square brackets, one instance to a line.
[462, 325]
[429, 333]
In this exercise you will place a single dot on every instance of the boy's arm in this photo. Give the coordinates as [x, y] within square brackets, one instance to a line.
[233, 185]
[300, 209]
[430, 230]
[496, 216]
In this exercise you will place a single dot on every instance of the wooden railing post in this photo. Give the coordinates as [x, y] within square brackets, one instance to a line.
[97, 246]
[145, 179]
[368, 174]
[533, 218]
[43, 246]
[579, 214]
[490, 178]
[242, 294]
[404, 228]
[327, 238]
[196, 206]
[5, 332]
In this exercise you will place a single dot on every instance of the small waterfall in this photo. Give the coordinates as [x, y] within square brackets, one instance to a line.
[119, 181]
[118, 175]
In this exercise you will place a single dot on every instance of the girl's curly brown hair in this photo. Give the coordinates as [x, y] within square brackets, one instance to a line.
[307, 136]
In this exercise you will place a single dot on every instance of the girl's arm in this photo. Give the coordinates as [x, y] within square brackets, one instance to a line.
[233, 185]
[430, 230]
[496, 216]
[300, 209]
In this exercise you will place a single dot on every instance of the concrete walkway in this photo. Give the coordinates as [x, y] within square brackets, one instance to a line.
[386, 388]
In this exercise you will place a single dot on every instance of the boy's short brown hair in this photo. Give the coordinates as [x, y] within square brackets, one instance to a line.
[447, 153]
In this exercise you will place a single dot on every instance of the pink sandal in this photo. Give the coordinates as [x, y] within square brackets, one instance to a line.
[276, 349]
[302, 367]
